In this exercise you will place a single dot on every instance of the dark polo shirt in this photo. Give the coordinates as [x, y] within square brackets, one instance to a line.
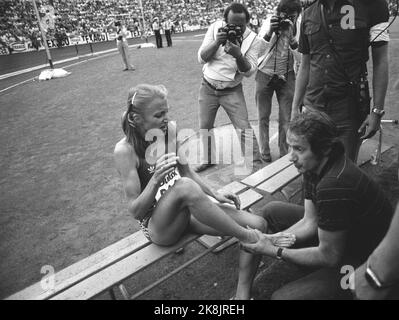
[347, 199]
[327, 82]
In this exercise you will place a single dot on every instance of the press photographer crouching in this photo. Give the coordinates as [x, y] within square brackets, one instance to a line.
[278, 57]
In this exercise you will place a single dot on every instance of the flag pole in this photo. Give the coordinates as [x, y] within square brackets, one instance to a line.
[43, 35]
[142, 16]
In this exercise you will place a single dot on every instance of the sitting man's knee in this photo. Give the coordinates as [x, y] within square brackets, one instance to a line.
[260, 224]
[271, 208]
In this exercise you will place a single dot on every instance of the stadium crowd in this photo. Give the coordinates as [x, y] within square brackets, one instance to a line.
[84, 17]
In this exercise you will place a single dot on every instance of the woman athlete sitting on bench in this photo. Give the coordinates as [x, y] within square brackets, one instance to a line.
[166, 195]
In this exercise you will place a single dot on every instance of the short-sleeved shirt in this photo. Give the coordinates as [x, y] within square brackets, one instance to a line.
[346, 199]
[352, 25]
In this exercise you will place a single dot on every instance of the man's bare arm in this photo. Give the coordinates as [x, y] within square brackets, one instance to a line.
[301, 84]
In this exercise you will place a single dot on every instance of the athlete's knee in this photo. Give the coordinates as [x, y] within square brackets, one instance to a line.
[188, 189]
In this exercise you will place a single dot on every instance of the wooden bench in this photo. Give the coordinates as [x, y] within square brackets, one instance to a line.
[108, 268]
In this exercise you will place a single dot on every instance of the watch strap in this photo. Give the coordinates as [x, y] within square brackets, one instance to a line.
[279, 254]
[378, 111]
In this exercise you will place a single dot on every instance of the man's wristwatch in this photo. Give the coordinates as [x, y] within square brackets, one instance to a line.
[279, 254]
[378, 111]
[373, 279]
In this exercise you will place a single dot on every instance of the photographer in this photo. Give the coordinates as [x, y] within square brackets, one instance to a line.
[122, 44]
[334, 41]
[228, 52]
[276, 72]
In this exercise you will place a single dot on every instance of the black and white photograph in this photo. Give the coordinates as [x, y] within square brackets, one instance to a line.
[199, 156]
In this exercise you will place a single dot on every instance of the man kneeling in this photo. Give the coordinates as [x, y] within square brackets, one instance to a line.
[344, 217]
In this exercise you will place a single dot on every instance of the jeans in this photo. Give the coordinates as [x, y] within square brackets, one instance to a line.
[233, 102]
[319, 284]
[123, 48]
[263, 96]
[168, 37]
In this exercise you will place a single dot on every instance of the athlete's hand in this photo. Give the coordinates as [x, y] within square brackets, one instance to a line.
[228, 197]
[164, 165]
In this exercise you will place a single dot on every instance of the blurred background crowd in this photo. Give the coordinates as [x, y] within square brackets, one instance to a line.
[68, 18]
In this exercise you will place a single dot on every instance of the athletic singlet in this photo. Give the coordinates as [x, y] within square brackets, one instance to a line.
[145, 172]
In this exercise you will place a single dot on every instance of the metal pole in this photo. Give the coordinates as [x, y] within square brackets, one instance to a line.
[142, 17]
[43, 35]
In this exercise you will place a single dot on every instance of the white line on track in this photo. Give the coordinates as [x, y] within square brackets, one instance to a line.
[99, 54]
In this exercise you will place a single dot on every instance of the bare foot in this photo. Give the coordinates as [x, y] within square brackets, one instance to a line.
[252, 236]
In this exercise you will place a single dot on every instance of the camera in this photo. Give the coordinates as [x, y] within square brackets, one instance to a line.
[117, 24]
[234, 33]
[284, 20]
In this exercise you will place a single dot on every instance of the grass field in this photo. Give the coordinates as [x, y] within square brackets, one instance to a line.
[61, 199]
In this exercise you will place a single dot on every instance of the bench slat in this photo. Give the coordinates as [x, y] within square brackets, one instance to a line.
[280, 180]
[84, 268]
[267, 172]
[234, 187]
[248, 198]
[121, 270]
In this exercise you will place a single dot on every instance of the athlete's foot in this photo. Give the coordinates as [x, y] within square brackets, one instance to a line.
[203, 167]
[251, 237]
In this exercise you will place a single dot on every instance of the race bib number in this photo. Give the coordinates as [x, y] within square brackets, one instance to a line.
[167, 182]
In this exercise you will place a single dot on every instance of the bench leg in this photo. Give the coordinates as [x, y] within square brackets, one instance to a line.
[112, 293]
[124, 292]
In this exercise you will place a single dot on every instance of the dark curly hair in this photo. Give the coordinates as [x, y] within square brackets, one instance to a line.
[236, 7]
[319, 131]
[289, 6]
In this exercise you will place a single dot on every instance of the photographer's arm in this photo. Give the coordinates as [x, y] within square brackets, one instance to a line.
[246, 64]
[243, 64]
[210, 45]
[208, 51]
